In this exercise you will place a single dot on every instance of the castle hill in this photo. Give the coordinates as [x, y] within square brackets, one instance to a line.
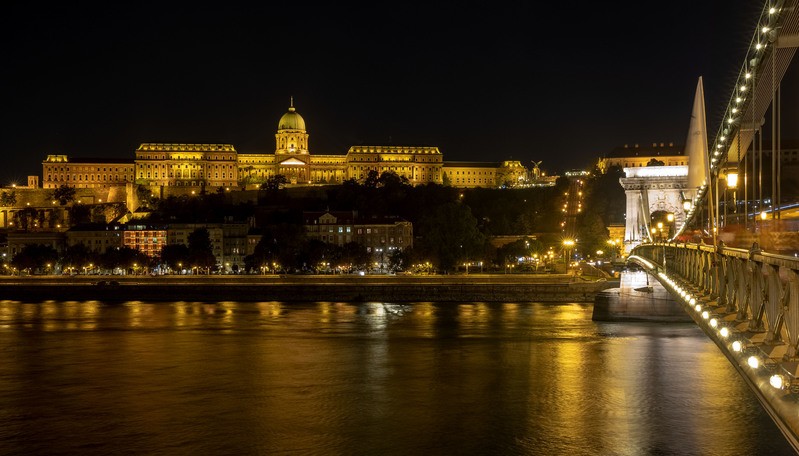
[183, 220]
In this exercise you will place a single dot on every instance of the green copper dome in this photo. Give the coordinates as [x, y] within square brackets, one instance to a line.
[291, 120]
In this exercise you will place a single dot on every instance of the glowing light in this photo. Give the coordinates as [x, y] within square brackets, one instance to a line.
[732, 179]
[777, 381]
[765, 29]
[698, 308]
[763, 215]
[743, 88]
[772, 10]
[753, 362]
[705, 315]
[747, 76]
[758, 46]
[724, 332]
[737, 346]
[713, 322]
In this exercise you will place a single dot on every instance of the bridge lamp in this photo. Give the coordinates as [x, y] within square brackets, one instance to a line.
[686, 205]
[732, 180]
[698, 308]
[705, 315]
[778, 381]
[737, 346]
[753, 362]
[714, 322]
[724, 332]
[693, 301]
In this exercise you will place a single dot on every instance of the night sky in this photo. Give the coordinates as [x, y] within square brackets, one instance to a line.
[559, 82]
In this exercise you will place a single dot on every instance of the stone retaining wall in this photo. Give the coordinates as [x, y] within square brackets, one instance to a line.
[463, 292]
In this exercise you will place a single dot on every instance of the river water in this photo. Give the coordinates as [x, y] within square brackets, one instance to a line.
[87, 378]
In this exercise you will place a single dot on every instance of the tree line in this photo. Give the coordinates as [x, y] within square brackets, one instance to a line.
[452, 226]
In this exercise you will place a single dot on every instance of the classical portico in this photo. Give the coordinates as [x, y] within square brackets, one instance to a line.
[651, 189]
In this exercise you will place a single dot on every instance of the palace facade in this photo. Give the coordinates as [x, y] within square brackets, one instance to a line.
[220, 165]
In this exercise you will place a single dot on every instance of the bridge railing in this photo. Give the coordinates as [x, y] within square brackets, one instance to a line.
[748, 301]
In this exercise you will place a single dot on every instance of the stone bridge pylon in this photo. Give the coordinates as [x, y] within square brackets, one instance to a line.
[651, 189]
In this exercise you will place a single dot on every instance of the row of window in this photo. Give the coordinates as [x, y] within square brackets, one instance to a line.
[61, 169]
[362, 158]
[341, 238]
[190, 157]
[179, 175]
[85, 177]
[475, 173]
[347, 229]
[186, 166]
[474, 181]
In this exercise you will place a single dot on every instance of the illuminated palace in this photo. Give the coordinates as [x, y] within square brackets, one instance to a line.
[220, 165]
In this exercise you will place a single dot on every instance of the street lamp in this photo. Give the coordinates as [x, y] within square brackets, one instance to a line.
[732, 183]
[568, 244]
[382, 258]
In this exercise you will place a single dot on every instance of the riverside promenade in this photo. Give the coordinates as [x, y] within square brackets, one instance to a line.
[306, 288]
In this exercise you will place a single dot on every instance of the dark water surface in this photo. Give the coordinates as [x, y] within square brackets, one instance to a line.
[365, 379]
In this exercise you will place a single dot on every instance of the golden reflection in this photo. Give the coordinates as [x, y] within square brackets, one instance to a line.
[424, 318]
[476, 315]
[48, 314]
[180, 314]
[29, 311]
[269, 309]
[324, 312]
[375, 308]
[228, 308]
[562, 364]
[510, 310]
[135, 310]
[376, 315]
[91, 308]
[89, 312]
[423, 309]
[7, 310]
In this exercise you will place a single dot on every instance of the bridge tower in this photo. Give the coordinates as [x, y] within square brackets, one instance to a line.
[650, 189]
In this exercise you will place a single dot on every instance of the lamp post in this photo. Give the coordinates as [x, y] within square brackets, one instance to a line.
[669, 217]
[568, 244]
[732, 183]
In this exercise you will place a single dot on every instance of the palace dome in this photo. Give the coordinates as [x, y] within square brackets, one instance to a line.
[291, 120]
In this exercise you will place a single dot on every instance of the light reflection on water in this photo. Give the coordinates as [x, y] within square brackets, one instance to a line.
[367, 378]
